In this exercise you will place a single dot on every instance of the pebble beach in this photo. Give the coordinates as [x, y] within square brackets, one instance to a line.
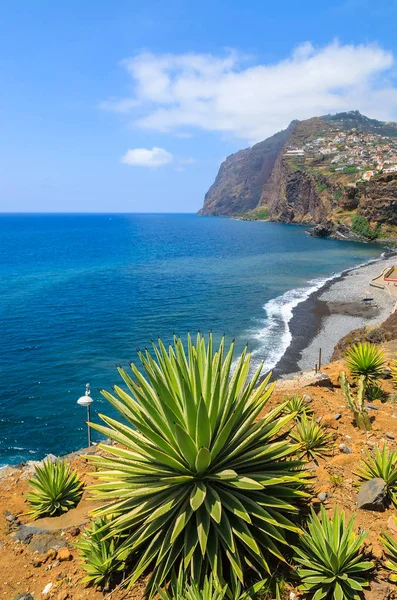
[346, 303]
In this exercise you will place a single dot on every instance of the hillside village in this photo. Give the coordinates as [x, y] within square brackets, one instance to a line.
[352, 152]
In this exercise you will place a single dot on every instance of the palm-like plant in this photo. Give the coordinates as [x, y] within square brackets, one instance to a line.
[56, 489]
[197, 480]
[383, 466]
[365, 359]
[296, 404]
[391, 546]
[312, 437]
[102, 552]
[329, 558]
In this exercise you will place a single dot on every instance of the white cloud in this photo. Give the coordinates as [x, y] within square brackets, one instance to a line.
[141, 157]
[181, 93]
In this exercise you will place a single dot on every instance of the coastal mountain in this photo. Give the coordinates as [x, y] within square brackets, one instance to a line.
[339, 171]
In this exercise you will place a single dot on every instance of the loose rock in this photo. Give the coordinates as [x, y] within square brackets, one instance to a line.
[372, 495]
[345, 449]
[47, 589]
[64, 554]
[390, 436]
[392, 524]
[322, 496]
[372, 406]
[337, 416]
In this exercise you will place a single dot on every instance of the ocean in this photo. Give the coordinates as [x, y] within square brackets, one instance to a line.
[80, 293]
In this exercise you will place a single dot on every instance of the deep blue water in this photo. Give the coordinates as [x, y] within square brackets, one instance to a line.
[79, 293]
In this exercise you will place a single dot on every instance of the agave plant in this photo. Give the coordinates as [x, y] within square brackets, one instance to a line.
[211, 590]
[56, 489]
[102, 552]
[312, 438]
[197, 480]
[391, 546]
[383, 466]
[296, 404]
[367, 360]
[356, 404]
[329, 558]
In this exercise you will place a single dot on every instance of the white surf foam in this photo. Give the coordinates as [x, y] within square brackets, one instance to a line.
[274, 338]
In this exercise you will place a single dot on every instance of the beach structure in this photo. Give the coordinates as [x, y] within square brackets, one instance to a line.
[387, 280]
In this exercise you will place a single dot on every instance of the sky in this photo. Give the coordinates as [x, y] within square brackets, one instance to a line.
[128, 106]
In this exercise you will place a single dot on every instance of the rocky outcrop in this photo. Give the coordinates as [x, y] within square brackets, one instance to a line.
[305, 188]
[238, 186]
[378, 199]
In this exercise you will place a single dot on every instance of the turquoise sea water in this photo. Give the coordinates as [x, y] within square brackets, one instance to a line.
[79, 293]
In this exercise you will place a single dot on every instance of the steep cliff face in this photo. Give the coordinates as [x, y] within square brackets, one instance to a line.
[239, 183]
[312, 172]
[378, 200]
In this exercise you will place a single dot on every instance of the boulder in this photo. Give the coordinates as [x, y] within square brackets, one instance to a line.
[372, 495]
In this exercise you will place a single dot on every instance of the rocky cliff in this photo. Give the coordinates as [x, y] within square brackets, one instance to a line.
[320, 170]
[241, 177]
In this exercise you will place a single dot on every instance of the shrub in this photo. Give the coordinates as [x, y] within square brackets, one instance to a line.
[312, 437]
[383, 466]
[296, 405]
[356, 405]
[329, 558]
[361, 226]
[56, 489]
[365, 359]
[391, 546]
[198, 481]
[101, 553]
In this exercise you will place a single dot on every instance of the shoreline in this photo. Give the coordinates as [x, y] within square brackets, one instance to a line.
[331, 312]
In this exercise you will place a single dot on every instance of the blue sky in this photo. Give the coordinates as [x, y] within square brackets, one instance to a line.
[128, 106]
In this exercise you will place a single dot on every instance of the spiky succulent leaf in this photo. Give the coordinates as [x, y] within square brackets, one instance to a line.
[296, 404]
[56, 489]
[101, 551]
[365, 359]
[179, 589]
[198, 477]
[312, 437]
[384, 465]
[330, 563]
[391, 547]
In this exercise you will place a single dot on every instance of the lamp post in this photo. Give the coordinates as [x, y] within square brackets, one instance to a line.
[87, 401]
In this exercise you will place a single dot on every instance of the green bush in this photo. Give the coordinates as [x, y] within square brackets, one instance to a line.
[361, 226]
[258, 214]
[198, 481]
[350, 169]
[56, 489]
[102, 553]
[329, 558]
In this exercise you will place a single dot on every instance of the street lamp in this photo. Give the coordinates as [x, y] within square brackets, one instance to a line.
[87, 401]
